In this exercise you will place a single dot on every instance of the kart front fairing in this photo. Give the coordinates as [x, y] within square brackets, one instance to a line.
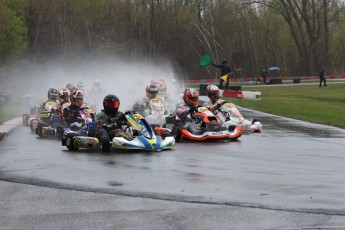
[147, 140]
[208, 127]
[231, 116]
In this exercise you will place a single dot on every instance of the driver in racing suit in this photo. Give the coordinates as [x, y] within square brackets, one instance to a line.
[184, 111]
[111, 121]
[143, 106]
[71, 113]
[52, 99]
[214, 103]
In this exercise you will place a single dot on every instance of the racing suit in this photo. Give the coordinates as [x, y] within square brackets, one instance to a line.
[72, 117]
[213, 107]
[46, 106]
[112, 125]
[185, 113]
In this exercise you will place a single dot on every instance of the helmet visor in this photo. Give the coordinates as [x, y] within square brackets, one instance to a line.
[79, 101]
[216, 95]
[112, 104]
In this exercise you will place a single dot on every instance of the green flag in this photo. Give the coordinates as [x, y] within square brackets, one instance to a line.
[205, 60]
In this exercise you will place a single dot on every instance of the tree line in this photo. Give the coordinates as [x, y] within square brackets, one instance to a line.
[298, 36]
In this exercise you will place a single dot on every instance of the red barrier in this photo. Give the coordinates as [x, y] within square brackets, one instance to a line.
[232, 93]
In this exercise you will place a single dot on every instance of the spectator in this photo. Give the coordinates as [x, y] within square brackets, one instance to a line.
[323, 77]
[225, 69]
[264, 75]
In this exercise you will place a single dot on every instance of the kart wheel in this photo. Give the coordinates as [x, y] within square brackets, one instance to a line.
[39, 130]
[165, 134]
[177, 134]
[105, 143]
[232, 128]
[25, 120]
[72, 143]
[255, 120]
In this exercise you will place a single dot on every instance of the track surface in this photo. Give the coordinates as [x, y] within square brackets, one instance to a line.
[291, 166]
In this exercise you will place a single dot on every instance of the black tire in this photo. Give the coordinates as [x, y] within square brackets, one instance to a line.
[177, 134]
[105, 143]
[165, 134]
[39, 130]
[231, 128]
[72, 143]
[255, 120]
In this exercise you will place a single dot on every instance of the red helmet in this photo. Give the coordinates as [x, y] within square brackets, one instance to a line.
[151, 91]
[77, 98]
[111, 104]
[213, 92]
[191, 96]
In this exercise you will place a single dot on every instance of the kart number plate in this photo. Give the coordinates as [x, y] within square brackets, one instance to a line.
[228, 105]
[155, 100]
[89, 141]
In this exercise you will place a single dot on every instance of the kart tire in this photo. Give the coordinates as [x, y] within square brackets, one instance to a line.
[105, 143]
[39, 131]
[25, 119]
[177, 134]
[32, 126]
[71, 143]
[165, 134]
[232, 128]
[255, 120]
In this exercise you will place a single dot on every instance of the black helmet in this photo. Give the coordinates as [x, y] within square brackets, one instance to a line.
[224, 61]
[111, 104]
[53, 94]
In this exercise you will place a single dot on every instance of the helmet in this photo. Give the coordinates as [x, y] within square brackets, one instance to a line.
[64, 95]
[213, 92]
[77, 98]
[71, 87]
[191, 96]
[111, 104]
[160, 84]
[53, 94]
[224, 61]
[151, 91]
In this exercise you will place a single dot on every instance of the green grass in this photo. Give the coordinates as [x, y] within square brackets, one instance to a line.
[324, 105]
[9, 111]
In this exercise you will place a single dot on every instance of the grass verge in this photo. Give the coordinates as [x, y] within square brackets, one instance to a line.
[325, 105]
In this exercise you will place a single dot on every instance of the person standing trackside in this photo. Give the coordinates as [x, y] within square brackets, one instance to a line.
[264, 75]
[322, 77]
[224, 70]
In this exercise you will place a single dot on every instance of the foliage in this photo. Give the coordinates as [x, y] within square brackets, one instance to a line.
[298, 36]
[13, 33]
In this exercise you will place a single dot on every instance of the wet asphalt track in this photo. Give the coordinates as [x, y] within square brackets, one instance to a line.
[290, 166]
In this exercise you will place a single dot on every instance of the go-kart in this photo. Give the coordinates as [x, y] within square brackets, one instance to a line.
[82, 133]
[43, 116]
[203, 125]
[156, 112]
[230, 116]
[29, 117]
[54, 128]
[137, 134]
